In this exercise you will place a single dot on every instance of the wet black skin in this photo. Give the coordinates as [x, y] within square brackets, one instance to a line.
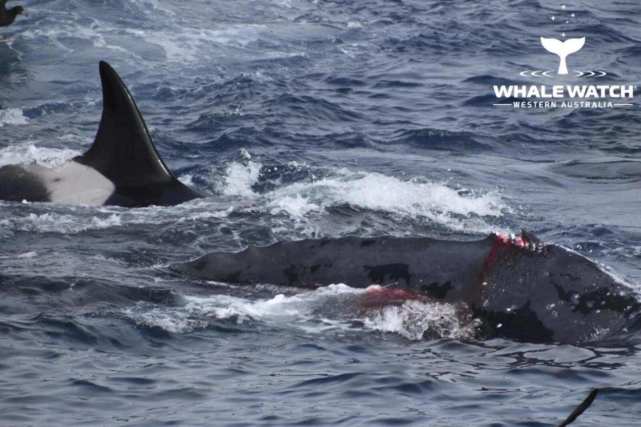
[545, 295]
[7, 16]
[16, 185]
[123, 152]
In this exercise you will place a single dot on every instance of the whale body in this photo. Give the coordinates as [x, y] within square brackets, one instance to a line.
[520, 289]
[122, 167]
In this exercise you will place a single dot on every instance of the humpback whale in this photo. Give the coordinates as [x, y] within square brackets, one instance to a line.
[122, 167]
[517, 286]
[7, 16]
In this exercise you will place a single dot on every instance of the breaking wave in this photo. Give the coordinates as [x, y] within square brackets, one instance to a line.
[29, 152]
[12, 116]
[455, 208]
[335, 307]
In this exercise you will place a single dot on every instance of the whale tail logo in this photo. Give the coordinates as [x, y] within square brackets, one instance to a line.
[563, 49]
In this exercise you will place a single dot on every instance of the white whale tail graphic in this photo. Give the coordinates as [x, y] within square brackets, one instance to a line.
[563, 49]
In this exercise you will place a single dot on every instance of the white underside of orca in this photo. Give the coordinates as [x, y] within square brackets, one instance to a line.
[74, 184]
[122, 167]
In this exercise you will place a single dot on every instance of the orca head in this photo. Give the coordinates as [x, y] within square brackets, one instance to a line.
[124, 153]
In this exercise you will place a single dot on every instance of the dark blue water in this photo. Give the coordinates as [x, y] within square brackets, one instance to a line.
[306, 119]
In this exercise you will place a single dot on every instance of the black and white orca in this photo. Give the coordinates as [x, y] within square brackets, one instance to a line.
[122, 167]
[518, 287]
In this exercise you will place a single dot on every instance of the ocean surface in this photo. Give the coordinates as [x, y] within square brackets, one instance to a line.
[303, 119]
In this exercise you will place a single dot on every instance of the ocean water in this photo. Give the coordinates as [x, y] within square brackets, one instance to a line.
[304, 119]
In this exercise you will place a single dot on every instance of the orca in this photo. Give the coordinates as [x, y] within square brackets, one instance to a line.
[121, 168]
[7, 16]
[518, 287]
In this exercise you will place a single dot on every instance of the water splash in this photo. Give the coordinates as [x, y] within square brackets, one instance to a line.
[335, 307]
[12, 116]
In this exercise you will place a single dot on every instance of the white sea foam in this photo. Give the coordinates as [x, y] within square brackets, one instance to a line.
[61, 223]
[78, 219]
[296, 206]
[437, 202]
[187, 179]
[240, 178]
[414, 319]
[386, 193]
[12, 116]
[328, 308]
[28, 152]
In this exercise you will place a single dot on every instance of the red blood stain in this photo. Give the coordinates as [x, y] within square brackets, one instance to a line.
[502, 240]
[378, 297]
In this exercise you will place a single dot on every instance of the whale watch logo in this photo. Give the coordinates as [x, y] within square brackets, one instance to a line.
[563, 49]
[564, 87]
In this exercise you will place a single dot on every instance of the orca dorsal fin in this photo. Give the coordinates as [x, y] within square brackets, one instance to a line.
[123, 150]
